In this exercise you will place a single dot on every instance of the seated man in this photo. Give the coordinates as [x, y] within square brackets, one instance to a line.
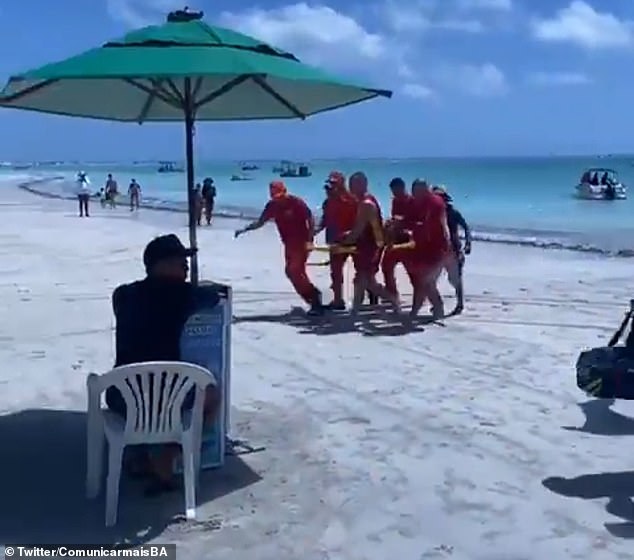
[150, 315]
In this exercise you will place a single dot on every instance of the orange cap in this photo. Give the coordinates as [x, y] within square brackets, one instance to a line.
[277, 189]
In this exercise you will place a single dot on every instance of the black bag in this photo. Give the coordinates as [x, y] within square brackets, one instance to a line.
[608, 372]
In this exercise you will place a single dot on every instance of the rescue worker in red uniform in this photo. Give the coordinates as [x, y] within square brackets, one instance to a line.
[397, 233]
[339, 214]
[431, 236]
[295, 225]
[367, 237]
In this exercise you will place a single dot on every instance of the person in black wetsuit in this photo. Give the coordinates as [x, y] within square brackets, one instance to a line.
[150, 315]
[455, 264]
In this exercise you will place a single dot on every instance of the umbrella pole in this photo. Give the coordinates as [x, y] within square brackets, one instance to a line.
[191, 200]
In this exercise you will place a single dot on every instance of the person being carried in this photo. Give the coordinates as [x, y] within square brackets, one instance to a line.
[150, 315]
[134, 193]
[296, 226]
[431, 238]
[397, 234]
[339, 212]
[209, 198]
[456, 259]
[367, 237]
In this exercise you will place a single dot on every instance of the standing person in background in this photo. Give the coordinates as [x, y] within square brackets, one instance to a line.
[83, 194]
[112, 190]
[198, 204]
[209, 198]
[455, 261]
[296, 226]
[431, 236]
[134, 193]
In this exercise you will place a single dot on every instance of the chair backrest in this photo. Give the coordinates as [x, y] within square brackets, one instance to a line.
[154, 393]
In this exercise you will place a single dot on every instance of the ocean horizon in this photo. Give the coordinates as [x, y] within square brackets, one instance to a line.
[525, 200]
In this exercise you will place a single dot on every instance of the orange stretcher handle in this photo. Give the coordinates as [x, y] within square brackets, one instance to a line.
[339, 249]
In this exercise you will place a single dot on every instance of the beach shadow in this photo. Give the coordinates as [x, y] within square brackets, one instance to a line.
[600, 419]
[42, 487]
[370, 321]
[617, 487]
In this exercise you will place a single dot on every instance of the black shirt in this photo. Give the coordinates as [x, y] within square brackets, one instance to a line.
[454, 221]
[150, 315]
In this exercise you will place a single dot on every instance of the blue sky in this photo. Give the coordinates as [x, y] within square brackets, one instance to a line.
[470, 77]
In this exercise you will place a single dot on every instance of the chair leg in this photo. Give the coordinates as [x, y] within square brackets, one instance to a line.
[115, 458]
[189, 479]
[94, 463]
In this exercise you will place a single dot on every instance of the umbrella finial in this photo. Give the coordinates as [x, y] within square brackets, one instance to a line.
[183, 16]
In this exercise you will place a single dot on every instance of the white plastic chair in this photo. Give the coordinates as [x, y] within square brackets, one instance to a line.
[154, 394]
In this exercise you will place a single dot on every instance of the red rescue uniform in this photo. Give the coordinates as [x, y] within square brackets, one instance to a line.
[340, 211]
[402, 207]
[293, 219]
[370, 243]
[428, 232]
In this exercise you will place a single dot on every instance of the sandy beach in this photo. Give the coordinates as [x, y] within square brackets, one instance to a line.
[465, 440]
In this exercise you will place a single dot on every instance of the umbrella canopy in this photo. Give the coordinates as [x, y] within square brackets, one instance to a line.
[183, 70]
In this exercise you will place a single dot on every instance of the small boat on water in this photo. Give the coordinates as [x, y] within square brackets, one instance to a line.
[248, 166]
[241, 177]
[283, 164]
[295, 170]
[599, 183]
[169, 167]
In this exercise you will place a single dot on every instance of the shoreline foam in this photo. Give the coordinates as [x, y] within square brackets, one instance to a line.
[486, 234]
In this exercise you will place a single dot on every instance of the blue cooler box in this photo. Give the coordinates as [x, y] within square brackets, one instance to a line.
[206, 341]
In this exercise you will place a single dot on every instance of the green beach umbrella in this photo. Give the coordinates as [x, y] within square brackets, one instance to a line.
[183, 70]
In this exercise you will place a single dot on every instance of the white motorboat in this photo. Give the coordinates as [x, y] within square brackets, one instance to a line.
[599, 183]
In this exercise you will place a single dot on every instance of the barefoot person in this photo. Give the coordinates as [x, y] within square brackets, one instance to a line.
[209, 198]
[112, 190]
[134, 193]
[83, 194]
[339, 214]
[150, 315]
[296, 226]
[397, 233]
[455, 261]
[431, 236]
[367, 237]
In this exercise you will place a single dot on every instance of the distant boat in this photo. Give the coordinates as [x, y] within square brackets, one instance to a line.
[295, 170]
[248, 167]
[241, 177]
[283, 164]
[598, 183]
[169, 167]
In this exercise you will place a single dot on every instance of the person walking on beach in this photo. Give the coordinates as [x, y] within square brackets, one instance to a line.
[134, 194]
[198, 204]
[367, 237]
[83, 194]
[396, 233]
[339, 211]
[431, 237]
[112, 190]
[209, 198]
[455, 261]
[296, 226]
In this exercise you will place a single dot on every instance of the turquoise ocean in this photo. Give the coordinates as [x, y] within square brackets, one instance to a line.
[524, 201]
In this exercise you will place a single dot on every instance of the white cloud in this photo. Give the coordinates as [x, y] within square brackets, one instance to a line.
[420, 16]
[417, 91]
[493, 5]
[582, 25]
[485, 80]
[319, 34]
[139, 13]
[558, 79]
